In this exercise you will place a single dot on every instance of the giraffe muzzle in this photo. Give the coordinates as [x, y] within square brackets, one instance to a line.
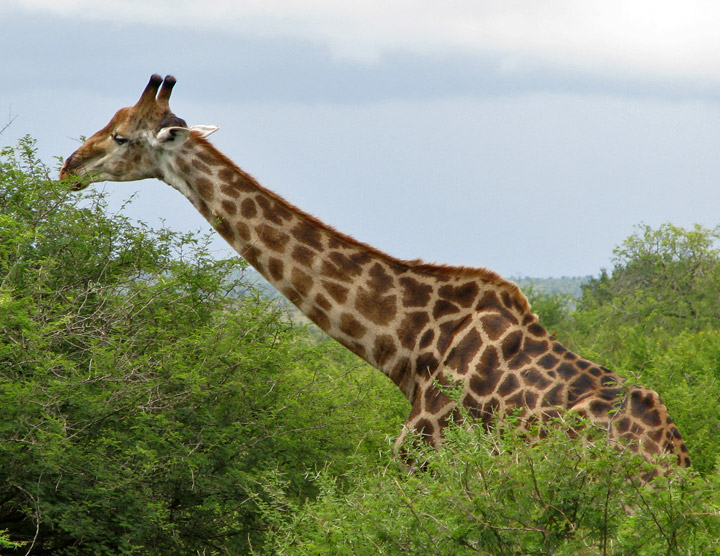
[70, 172]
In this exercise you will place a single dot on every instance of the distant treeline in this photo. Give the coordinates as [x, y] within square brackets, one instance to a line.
[566, 285]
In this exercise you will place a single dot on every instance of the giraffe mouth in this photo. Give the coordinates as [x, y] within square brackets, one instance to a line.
[78, 186]
[72, 181]
[69, 174]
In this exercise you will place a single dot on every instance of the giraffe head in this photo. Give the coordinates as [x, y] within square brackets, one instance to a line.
[136, 142]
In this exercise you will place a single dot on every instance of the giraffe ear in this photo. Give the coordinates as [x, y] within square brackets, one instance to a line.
[172, 136]
[204, 130]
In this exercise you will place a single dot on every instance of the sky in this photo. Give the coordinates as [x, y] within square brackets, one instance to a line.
[526, 137]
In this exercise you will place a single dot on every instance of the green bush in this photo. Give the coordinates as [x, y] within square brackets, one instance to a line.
[494, 494]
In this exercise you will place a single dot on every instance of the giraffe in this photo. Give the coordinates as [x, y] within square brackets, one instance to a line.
[422, 325]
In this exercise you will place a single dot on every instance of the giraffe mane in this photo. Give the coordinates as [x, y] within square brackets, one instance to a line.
[480, 273]
[418, 265]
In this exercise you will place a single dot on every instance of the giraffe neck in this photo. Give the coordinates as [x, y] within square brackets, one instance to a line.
[400, 316]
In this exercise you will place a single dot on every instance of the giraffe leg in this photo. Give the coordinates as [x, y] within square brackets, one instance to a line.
[430, 412]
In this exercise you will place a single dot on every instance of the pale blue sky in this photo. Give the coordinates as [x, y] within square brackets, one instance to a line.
[528, 137]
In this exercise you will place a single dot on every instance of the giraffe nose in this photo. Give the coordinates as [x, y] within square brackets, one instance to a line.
[67, 168]
[68, 172]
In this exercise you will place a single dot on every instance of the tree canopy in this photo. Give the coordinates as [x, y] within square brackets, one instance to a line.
[666, 277]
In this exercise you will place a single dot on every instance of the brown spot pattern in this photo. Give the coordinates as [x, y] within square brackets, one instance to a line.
[415, 294]
[378, 309]
[487, 374]
[272, 237]
[248, 208]
[416, 321]
[443, 308]
[307, 234]
[463, 295]
[204, 188]
[303, 255]
[229, 207]
[301, 282]
[276, 268]
[463, 354]
[410, 328]
[351, 326]
[273, 211]
[379, 278]
[323, 302]
[384, 349]
[338, 292]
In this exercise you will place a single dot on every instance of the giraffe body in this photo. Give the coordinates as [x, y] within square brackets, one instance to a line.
[422, 325]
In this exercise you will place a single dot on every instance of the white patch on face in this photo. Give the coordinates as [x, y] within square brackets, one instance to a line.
[175, 180]
[151, 139]
[99, 168]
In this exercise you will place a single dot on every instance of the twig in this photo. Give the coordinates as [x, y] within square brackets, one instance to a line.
[7, 125]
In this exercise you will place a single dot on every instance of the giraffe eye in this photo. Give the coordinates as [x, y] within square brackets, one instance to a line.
[119, 139]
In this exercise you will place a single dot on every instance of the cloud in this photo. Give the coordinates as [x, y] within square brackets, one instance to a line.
[653, 38]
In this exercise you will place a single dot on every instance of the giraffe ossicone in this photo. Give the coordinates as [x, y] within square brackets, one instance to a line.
[422, 325]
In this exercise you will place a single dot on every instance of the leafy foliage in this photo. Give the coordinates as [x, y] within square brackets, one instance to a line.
[668, 277]
[553, 308]
[490, 493]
